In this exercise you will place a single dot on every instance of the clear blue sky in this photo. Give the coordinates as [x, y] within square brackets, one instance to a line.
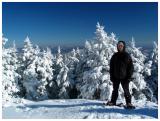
[69, 24]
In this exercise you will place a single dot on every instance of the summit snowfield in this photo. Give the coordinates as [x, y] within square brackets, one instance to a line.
[75, 84]
[78, 109]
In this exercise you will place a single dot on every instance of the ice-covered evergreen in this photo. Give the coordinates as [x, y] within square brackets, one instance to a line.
[34, 77]
[54, 85]
[138, 86]
[61, 71]
[30, 80]
[59, 57]
[10, 87]
[71, 60]
[95, 82]
[62, 82]
[152, 80]
[44, 73]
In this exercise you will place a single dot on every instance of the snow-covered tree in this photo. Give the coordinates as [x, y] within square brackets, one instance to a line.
[4, 40]
[64, 73]
[59, 57]
[57, 64]
[10, 76]
[44, 73]
[29, 70]
[62, 82]
[95, 81]
[152, 80]
[35, 89]
[71, 60]
[138, 86]
[28, 52]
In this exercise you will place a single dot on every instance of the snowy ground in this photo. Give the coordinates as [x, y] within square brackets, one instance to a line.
[77, 108]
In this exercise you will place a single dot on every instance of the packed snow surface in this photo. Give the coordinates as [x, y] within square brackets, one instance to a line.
[77, 109]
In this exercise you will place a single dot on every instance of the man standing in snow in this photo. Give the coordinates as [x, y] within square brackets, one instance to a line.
[121, 70]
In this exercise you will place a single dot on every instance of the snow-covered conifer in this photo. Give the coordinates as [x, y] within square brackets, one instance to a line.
[95, 81]
[10, 76]
[138, 85]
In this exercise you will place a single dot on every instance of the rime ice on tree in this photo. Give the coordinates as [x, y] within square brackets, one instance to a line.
[10, 76]
[96, 82]
[138, 85]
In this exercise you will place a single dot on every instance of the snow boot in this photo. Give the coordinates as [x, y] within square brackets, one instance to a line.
[109, 103]
[129, 106]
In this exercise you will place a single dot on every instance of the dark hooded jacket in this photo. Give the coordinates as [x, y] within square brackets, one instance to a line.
[121, 65]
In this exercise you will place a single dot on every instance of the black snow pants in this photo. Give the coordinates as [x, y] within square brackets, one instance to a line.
[125, 86]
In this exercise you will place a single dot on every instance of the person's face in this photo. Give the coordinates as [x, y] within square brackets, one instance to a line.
[120, 46]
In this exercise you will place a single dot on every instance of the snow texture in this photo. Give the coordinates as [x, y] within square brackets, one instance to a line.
[78, 109]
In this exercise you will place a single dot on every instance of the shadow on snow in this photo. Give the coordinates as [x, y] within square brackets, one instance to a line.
[152, 112]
